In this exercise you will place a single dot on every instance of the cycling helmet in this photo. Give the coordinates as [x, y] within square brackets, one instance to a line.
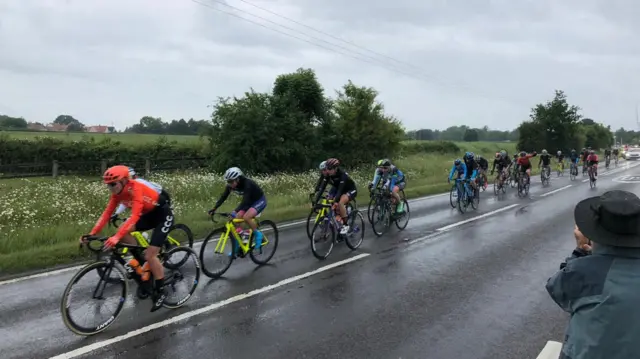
[591, 152]
[323, 165]
[467, 154]
[544, 152]
[132, 172]
[457, 162]
[559, 153]
[332, 163]
[115, 174]
[479, 158]
[232, 174]
[573, 151]
[522, 154]
[384, 163]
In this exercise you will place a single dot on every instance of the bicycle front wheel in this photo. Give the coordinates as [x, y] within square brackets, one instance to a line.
[381, 219]
[216, 253]
[269, 243]
[100, 278]
[354, 238]
[403, 220]
[323, 234]
[311, 220]
[453, 196]
[181, 277]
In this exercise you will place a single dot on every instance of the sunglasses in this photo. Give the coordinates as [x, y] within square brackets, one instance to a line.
[111, 185]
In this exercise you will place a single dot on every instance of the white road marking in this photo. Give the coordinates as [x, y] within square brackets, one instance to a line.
[551, 350]
[555, 190]
[95, 346]
[453, 225]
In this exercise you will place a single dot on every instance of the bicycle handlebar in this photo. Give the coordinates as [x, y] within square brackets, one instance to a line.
[114, 221]
[91, 239]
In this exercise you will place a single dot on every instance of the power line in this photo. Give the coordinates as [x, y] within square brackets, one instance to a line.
[413, 75]
[330, 35]
[359, 56]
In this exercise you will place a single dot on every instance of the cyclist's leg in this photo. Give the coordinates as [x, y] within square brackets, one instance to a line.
[249, 216]
[163, 220]
[342, 210]
[396, 195]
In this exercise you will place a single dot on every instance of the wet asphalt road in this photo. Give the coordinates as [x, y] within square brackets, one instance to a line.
[474, 290]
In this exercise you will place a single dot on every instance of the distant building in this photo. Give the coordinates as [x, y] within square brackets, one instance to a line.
[36, 126]
[55, 127]
[100, 129]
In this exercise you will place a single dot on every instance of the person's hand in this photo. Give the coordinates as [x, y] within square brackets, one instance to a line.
[83, 239]
[582, 242]
[233, 214]
[211, 212]
[110, 243]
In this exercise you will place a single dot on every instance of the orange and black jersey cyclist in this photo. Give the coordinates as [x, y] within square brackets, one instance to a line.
[149, 210]
[524, 162]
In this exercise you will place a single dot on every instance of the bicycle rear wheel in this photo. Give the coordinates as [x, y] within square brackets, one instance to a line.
[269, 243]
[108, 275]
[381, 218]
[453, 196]
[475, 202]
[354, 238]
[221, 252]
[404, 216]
[323, 233]
[372, 204]
[183, 274]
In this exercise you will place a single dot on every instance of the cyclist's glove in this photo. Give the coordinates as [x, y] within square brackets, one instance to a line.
[211, 212]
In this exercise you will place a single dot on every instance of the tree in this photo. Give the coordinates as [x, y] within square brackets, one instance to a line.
[9, 122]
[553, 126]
[471, 135]
[65, 120]
[76, 126]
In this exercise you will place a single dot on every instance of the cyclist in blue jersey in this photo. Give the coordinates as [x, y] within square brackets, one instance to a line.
[574, 157]
[393, 179]
[472, 168]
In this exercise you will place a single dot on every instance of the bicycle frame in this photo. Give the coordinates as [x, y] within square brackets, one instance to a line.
[142, 242]
[231, 231]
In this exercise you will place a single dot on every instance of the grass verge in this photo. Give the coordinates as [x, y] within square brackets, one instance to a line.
[41, 219]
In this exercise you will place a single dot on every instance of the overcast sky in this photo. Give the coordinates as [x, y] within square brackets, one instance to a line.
[454, 62]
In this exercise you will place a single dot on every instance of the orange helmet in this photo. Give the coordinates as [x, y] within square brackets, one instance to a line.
[115, 174]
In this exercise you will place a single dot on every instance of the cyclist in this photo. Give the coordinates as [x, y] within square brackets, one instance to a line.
[503, 162]
[344, 189]
[575, 159]
[393, 179]
[560, 159]
[472, 168]
[592, 162]
[607, 155]
[459, 168]
[584, 154]
[524, 165]
[253, 201]
[132, 174]
[150, 209]
[545, 161]
[616, 153]
[483, 167]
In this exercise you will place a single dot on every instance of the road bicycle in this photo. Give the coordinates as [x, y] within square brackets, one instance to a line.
[523, 185]
[592, 178]
[177, 232]
[573, 171]
[514, 176]
[499, 183]
[320, 213]
[384, 213]
[242, 243]
[463, 196]
[114, 272]
[545, 175]
[375, 195]
[560, 168]
[324, 231]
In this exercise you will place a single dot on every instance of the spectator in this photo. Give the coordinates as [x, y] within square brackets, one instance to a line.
[599, 284]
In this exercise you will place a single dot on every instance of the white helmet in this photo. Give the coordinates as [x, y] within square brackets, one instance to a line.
[132, 172]
[323, 165]
[232, 173]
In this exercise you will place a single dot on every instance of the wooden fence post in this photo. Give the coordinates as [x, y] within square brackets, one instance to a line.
[103, 166]
[54, 170]
[147, 167]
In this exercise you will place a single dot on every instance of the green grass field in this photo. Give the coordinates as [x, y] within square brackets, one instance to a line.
[122, 137]
[42, 219]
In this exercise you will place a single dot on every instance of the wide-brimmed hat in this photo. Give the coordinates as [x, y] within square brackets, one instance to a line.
[612, 219]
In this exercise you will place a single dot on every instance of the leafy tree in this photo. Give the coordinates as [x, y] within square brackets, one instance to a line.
[65, 120]
[552, 125]
[471, 135]
[9, 122]
[75, 126]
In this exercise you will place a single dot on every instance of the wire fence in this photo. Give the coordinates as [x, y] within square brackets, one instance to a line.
[96, 168]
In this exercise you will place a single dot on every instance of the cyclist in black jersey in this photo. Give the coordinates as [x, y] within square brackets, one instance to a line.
[545, 161]
[253, 200]
[344, 190]
[483, 167]
[607, 155]
[502, 161]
